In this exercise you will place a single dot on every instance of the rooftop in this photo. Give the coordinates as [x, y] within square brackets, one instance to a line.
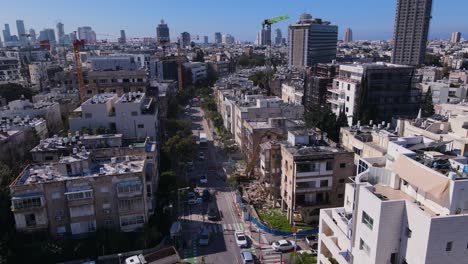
[52, 173]
[100, 99]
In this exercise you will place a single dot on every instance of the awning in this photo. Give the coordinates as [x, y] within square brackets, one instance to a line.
[422, 177]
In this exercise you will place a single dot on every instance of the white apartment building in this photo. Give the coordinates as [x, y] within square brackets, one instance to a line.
[444, 91]
[197, 70]
[406, 207]
[133, 114]
[292, 93]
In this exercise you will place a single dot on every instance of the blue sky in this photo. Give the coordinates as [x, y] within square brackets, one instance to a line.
[369, 19]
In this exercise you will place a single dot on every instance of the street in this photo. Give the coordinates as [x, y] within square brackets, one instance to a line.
[222, 247]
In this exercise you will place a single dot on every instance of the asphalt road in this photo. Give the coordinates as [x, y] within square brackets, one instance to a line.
[222, 247]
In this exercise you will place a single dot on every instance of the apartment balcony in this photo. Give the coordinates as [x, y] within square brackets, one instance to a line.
[332, 251]
[307, 187]
[335, 243]
[336, 91]
[313, 173]
[345, 79]
[336, 101]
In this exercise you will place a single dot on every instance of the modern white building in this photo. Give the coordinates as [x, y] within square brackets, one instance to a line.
[197, 70]
[406, 207]
[443, 91]
[133, 114]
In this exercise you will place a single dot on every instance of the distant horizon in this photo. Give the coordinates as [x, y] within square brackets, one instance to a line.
[242, 19]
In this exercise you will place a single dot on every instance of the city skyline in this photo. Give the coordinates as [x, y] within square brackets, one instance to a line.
[109, 20]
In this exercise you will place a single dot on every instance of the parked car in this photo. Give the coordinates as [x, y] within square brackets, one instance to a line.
[203, 179]
[204, 237]
[247, 256]
[241, 239]
[283, 245]
[311, 239]
[212, 214]
[206, 195]
[201, 156]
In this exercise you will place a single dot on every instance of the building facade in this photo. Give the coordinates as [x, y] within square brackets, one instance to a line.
[411, 30]
[311, 41]
[162, 33]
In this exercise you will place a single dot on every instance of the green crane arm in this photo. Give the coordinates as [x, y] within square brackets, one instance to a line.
[275, 20]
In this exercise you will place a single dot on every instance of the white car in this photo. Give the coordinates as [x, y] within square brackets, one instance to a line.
[283, 245]
[203, 179]
[241, 239]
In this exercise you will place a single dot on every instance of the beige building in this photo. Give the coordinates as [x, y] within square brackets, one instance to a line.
[313, 175]
[78, 189]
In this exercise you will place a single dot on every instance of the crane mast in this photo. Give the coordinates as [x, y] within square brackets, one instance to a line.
[77, 44]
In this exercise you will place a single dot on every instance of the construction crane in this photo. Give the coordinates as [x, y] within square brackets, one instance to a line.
[253, 161]
[77, 44]
[266, 24]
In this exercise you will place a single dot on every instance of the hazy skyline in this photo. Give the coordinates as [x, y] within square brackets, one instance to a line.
[369, 19]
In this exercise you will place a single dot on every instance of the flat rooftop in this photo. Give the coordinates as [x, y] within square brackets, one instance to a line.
[386, 193]
[34, 174]
[132, 97]
[100, 99]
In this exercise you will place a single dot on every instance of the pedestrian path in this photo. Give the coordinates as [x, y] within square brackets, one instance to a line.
[233, 227]
[268, 255]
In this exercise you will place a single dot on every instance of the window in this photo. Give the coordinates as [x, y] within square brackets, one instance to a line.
[88, 115]
[132, 220]
[30, 219]
[367, 220]
[449, 245]
[349, 86]
[363, 246]
[82, 210]
[347, 100]
[340, 196]
[347, 109]
[130, 204]
[104, 189]
[341, 180]
[49, 158]
[141, 126]
[323, 183]
[408, 232]
[108, 222]
[329, 165]
[134, 113]
[79, 195]
[342, 165]
[393, 258]
[56, 195]
[129, 188]
[61, 230]
[26, 203]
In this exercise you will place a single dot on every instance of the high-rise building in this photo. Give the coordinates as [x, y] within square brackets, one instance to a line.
[218, 37]
[21, 31]
[348, 37]
[205, 39]
[185, 39]
[123, 38]
[278, 37]
[32, 35]
[411, 30]
[47, 34]
[311, 41]
[60, 33]
[456, 36]
[87, 34]
[6, 33]
[264, 37]
[162, 33]
[228, 39]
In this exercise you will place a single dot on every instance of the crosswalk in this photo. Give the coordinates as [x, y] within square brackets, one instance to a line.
[271, 256]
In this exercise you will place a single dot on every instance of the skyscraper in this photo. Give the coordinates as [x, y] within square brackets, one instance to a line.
[32, 35]
[123, 38]
[7, 33]
[47, 34]
[456, 36]
[162, 33]
[228, 39]
[60, 33]
[411, 30]
[348, 37]
[21, 31]
[311, 41]
[264, 37]
[217, 37]
[205, 39]
[185, 39]
[86, 33]
[278, 37]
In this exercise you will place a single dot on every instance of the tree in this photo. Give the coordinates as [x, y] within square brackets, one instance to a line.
[13, 91]
[431, 59]
[427, 106]
[199, 56]
[182, 148]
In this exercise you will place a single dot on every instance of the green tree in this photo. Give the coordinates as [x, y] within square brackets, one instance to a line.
[431, 59]
[13, 91]
[199, 56]
[180, 148]
[427, 106]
